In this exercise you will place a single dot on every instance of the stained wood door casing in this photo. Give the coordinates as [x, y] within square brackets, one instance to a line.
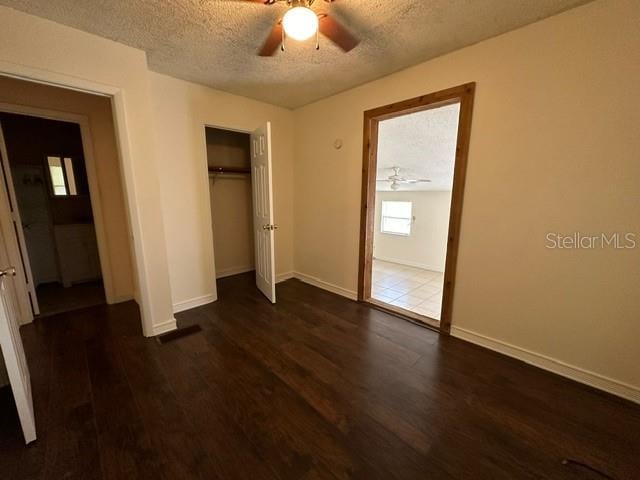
[464, 94]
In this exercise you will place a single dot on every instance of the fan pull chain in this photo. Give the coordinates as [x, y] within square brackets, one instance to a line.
[284, 37]
[317, 39]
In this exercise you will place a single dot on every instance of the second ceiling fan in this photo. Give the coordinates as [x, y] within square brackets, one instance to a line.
[396, 180]
[300, 22]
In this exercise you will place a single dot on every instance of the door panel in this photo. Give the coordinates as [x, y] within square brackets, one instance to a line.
[15, 244]
[13, 350]
[263, 227]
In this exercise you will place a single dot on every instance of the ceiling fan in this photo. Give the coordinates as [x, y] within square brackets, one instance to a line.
[300, 23]
[396, 179]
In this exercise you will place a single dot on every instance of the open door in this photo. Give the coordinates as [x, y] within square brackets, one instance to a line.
[263, 226]
[12, 349]
[12, 225]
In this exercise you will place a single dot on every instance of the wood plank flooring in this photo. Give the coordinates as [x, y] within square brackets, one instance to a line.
[314, 387]
[53, 298]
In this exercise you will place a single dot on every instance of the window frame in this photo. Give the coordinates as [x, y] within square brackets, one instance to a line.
[383, 217]
[67, 184]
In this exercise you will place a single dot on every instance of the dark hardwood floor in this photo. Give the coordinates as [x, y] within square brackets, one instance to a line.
[315, 387]
[53, 298]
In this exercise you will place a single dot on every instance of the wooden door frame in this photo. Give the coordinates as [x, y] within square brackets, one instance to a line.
[464, 94]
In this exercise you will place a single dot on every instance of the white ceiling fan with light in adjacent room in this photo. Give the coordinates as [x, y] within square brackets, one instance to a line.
[396, 180]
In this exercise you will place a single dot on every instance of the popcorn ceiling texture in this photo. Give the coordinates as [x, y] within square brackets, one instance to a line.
[423, 145]
[214, 42]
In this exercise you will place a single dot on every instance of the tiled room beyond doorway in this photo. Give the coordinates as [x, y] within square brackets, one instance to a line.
[414, 289]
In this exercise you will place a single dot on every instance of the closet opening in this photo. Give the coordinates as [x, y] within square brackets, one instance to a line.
[241, 196]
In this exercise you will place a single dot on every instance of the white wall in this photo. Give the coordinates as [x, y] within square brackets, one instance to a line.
[554, 147]
[39, 49]
[426, 247]
[181, 111]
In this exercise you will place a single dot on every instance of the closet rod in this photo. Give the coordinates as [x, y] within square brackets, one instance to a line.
[229, 170]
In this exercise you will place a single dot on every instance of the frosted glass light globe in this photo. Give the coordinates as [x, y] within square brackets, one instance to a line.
[300, 23]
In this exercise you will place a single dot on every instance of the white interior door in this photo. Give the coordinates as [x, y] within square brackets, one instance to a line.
[13, 351]
[16, 245]
[263, 226]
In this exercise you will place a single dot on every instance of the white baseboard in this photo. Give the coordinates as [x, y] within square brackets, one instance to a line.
[424, 266]
[193, 303]
[281, 277]
[164, 327]
[227, 272]
[578, 374]
[316, 282]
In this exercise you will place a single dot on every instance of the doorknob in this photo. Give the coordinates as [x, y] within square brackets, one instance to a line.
[9, 271]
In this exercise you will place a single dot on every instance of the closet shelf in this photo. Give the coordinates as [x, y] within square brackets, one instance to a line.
[229, 170]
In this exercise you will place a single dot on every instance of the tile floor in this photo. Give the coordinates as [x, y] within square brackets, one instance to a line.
[414, 289]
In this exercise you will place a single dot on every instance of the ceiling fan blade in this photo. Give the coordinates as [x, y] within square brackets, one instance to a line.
[272, 42]
[337, 33]
[418, 180]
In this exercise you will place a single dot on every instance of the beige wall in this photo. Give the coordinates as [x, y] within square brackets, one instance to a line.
[554, 147]
[114, 215]
[181, 110]
[47, 51]
[426, 247]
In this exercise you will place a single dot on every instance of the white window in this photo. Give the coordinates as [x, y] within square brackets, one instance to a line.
[63, 180]
[396, 218]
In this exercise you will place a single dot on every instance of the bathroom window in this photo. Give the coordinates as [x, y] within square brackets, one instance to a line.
[63, 181]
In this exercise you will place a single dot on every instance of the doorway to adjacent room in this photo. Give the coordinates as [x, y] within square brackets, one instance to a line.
[415, 155]
[45, 176]
[241, 193]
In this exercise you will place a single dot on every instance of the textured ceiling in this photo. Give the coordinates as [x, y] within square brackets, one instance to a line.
[423, 145]
[213, 42]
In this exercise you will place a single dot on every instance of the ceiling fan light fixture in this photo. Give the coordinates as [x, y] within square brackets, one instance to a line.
[300, 23]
